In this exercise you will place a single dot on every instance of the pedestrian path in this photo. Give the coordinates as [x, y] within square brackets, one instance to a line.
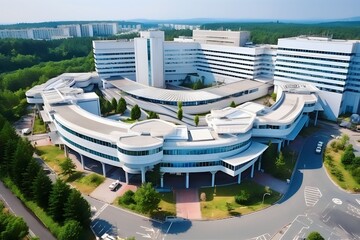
[187, 204]
[312, 195]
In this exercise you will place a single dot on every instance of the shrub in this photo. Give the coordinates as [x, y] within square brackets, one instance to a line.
[333, 145]
[127, 198]
[242, 198]
[337, 173]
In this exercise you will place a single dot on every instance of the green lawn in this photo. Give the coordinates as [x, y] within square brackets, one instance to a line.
[85, 183]
[39, 126]
[167, 207]
[220, 203]
[129, 120]
[52, 155]
[337, 171]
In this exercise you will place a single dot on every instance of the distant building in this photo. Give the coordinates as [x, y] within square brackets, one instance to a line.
[74, 29]
[87, 30]
[63, 31]
[227, 38]
[17, 33]
[50, 33]
[36, 33]
[104, 29]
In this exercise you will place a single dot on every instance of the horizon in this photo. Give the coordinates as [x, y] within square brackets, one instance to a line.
[158, 10]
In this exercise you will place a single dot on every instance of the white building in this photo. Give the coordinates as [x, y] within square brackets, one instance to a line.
[36, 33]
[17, 33]
[74, 29]
[330, 65]
[87, 30]
[226, 38]
[212, 63]
[149, 58]
[230, 144]
[104, 29]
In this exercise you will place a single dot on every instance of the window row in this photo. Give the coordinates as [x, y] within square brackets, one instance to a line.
[314, 76]
[313, 58]
[315, 51]
[90, 150]
[140, 153]
[190, 164]
[310, 69]
[213, 150]
[122, 53]
[311, 64]
[90, 139]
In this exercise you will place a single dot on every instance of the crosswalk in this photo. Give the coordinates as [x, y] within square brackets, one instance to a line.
[312, 195]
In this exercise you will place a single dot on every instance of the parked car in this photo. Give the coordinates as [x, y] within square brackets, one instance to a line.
[114, 186]
[318, 149]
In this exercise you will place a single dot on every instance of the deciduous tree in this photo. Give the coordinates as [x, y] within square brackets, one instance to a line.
[146, 198]
[67, 167]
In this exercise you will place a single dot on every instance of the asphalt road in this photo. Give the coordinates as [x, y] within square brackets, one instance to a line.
[18, 209]
[313, 203]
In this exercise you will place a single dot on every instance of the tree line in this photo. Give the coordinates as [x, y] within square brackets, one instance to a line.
[64, 205]
[22, 53]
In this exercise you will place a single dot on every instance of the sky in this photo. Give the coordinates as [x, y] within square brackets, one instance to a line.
[16, 11]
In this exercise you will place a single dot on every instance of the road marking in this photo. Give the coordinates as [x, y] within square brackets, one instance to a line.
[144, 235]
[167, 230]
[354, 209]
[100, 211]
[358, 201]
[265, 236]
[311, 195]
[7, 205]
[337, 201]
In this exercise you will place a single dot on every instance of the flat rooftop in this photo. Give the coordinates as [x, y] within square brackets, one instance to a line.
[160, 94]
[91, 124]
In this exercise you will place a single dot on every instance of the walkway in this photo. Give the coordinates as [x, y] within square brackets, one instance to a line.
[187, 204]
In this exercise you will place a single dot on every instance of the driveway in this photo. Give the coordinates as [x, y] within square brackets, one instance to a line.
[187, 204]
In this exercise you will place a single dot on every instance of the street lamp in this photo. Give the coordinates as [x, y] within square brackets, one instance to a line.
[264, 196]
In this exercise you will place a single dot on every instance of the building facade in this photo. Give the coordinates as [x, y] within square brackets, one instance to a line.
[232, 142]
[330, 65]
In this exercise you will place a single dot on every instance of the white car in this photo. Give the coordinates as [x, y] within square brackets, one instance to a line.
[320, 144]
[318, 149]
[114, 186]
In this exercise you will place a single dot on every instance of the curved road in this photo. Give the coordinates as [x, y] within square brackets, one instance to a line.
[313, 203]
[19, 209]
